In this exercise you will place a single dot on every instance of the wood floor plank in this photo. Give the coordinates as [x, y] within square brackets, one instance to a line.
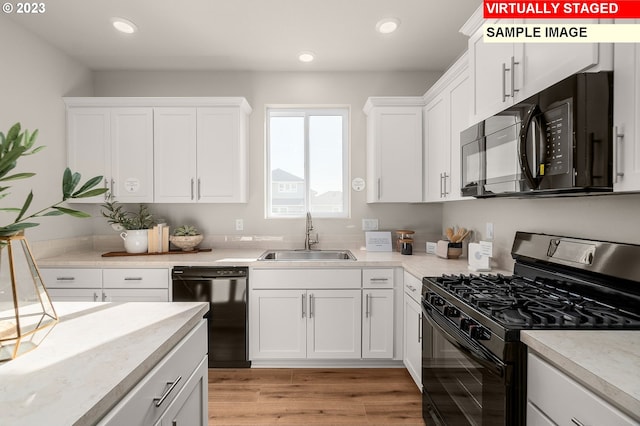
[313, 396]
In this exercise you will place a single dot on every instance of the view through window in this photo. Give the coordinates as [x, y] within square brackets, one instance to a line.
[307, 150]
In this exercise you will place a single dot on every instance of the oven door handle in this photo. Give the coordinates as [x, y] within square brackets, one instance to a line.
[475, 352]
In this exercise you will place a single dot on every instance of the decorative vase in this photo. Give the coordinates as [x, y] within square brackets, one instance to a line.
[136, 240]
[27, 314]
[186, 242]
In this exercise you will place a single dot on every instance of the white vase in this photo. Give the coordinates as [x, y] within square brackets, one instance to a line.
[135, 240]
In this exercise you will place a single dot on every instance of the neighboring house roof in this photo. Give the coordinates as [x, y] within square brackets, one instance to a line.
[279, 175]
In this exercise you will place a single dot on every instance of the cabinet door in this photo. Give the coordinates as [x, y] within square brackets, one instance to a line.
[377, 324]
[277, 324]
[437, 147]
[459, 120]
[190, 408]
[395, 145]
[75, 294]
[490, 70]
[132, 154]
[175, 155]
[413, 339]
[88, 145]
[221, 156]
[334, 326]
[135, 295]
[627, 116]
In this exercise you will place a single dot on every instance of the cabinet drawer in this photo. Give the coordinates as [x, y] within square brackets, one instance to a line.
[377, 278]
[138, 407]
[307, 278]
[135, 278]
[412, 287]
[71, 278]
[562, 399]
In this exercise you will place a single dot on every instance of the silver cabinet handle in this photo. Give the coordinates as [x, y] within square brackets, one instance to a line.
[104, 297]
[311, 305]
[65, 278]
[192, 188]
[617, 139]
[445, 176]
[304, 302]
[504, 82]
[106, 185]
[367, 310]
[133, 278]
[198, 190]
[95, 296]
[419, 327]
[441, 190]
[576, 422]
[166, 393]
[412, 288]
[513, 76]
[383, 279]
[379, 190]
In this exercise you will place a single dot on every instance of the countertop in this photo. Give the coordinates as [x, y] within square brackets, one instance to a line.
[418, 264]
[607, 362]
[90, 360]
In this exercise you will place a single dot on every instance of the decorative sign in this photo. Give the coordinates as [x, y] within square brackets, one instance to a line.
[378, 241]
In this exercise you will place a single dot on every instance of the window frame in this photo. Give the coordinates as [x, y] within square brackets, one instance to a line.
[306, 111]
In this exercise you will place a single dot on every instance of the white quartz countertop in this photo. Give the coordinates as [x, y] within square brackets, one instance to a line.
[418, 264]
[607, 362]
[90, 360]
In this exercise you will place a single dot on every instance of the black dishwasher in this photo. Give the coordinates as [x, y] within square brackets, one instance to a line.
[225, 288]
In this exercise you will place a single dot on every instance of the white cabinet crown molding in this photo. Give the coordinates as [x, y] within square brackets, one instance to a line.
[382, 101]
[474, 22]
[105, 101]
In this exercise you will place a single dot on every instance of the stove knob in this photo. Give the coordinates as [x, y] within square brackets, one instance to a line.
[437, 300]
[451, 311]
[466, 324]
[477, 332]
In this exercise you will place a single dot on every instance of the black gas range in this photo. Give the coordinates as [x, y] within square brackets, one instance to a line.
[474, 365]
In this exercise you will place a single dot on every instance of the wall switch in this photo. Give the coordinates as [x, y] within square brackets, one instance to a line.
[239, 225]
[489, 231]
[369, 224]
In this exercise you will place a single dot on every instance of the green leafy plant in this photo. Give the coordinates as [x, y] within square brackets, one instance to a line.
[121, 219]
[186, 231]
[16, 144]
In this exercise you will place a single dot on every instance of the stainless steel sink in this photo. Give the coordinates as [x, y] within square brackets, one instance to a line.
[319, 255]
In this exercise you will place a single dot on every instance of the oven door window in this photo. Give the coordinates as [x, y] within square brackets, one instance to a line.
[458, 388]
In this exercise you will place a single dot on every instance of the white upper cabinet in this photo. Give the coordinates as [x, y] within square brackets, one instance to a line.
[394, 149]
[446, 115]
[116, 143]
[626, 116]
[169, 150]
[505, 73]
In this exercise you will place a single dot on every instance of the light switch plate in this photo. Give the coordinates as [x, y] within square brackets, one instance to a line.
[239, 225]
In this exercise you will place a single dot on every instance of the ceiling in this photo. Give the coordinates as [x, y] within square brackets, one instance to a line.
[256, 34]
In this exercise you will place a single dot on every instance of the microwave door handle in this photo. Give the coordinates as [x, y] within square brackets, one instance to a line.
[523, 157]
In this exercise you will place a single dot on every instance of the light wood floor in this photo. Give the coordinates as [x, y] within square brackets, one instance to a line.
[257, 396]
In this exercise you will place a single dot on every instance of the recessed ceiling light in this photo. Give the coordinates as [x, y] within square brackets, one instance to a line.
[306, 57]
[124, 25]
[387, 25]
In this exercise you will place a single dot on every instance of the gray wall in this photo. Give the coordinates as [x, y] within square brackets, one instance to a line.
[268, 88]
[33, 80]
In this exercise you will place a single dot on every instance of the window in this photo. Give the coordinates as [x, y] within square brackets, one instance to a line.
[307, 162]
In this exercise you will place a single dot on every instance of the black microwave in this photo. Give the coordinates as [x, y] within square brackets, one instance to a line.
[557, 142]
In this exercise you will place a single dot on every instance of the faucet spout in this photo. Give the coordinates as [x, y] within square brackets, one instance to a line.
[308, 242]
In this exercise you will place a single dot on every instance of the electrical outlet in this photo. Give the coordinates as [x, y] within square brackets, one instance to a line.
[489, 231]
[369, 224]
[239, 224]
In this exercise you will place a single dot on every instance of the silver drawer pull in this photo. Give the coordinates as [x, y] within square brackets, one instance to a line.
[133, 278]
[412, 288]
[378, 279]
[65, 278]
[576, 422]
[166, 393]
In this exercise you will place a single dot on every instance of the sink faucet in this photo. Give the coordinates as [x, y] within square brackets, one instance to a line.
[308, 242]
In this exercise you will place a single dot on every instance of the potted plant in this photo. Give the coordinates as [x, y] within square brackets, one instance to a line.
[133, 224]
[186, 237]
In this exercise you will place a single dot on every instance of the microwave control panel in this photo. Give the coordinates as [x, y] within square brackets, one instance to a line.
[558, 147]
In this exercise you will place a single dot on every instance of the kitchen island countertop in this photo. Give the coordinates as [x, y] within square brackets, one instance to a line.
[91, 359]
[605, 361]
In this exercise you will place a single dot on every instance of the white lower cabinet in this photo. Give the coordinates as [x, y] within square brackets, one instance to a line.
[107, 285]
[413, 328]
[310, 313]
[553, 398]
[317, 323]
[174, 392]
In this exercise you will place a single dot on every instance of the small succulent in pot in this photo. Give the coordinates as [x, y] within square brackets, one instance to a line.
[186, 237]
